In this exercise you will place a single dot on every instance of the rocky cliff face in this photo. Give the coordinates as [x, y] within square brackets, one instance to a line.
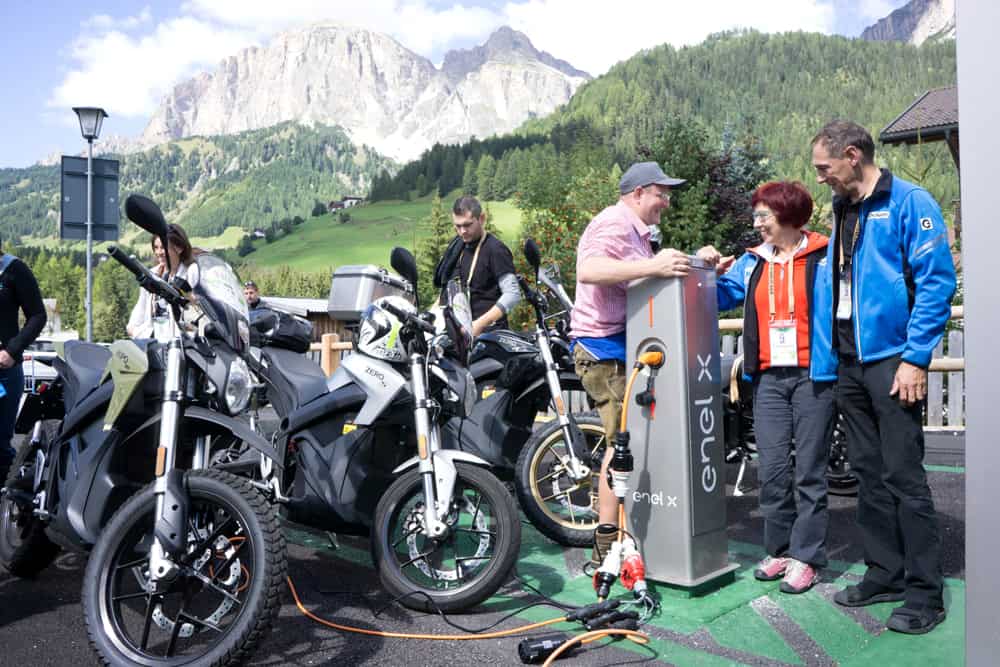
[381, 93]
[915, 22]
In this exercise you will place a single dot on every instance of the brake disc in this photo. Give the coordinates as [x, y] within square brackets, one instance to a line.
[420, 559]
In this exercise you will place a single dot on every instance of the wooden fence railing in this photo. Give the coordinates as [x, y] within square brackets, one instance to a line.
[945, 385]
[330, 350]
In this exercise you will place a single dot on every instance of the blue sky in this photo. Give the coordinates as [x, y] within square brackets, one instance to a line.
[124, 56]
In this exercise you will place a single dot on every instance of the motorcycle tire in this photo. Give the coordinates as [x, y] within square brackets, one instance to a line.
[561, 509]
[25, 550]
[234, 568]
[417, 569]
[840, 479]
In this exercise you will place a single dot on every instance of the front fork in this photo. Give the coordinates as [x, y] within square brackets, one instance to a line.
[170, 519]
[437, 493]
[577, 469]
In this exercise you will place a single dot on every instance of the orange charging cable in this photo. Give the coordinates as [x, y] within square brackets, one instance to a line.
[407, 635]
[587, 637]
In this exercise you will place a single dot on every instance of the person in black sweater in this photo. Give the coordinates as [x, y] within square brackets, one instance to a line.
[18, 291]
[484, 265]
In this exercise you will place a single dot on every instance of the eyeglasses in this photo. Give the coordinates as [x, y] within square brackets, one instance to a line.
[250, 283]
[762, 215]
[665, 196]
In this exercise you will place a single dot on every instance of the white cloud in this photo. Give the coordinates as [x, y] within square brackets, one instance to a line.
[873, 10]
[128, 75]
[414, 23]
[127, 65]
[103, 22]
[594, 36]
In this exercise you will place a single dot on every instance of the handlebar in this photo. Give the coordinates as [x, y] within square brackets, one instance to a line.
[130, 263]
[147, 280]
[410, 318]
[533, 297]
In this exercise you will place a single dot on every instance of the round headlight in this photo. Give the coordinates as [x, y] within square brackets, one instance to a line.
[239, 385]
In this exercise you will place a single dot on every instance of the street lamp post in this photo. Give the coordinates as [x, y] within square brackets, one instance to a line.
[91, 119]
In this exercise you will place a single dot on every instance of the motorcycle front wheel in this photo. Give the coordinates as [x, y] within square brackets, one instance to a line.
[561, 508]
[224, 597]
[463, 567]
[25, 550]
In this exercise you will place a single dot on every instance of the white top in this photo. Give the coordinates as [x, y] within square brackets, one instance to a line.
[140, 322]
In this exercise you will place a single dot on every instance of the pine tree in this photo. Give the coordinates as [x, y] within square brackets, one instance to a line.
[437, 231]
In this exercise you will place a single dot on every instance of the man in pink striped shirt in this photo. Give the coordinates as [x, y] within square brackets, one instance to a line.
[614, 250]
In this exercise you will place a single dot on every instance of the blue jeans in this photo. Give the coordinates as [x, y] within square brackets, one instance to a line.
[12, 380]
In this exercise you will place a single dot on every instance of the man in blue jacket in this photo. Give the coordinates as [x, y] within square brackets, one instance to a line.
[893, 279]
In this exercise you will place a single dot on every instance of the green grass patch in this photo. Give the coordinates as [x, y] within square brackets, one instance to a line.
[227, 239]
[324, 243]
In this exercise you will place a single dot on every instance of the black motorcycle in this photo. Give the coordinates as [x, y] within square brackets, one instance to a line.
[186, 563]
[741, 444]
[518, 377]
[360, 453]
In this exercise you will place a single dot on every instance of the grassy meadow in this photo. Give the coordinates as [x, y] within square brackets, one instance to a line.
[324, 243]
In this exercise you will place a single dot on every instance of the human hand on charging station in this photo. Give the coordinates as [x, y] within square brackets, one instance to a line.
[711, 256]
[669, 263]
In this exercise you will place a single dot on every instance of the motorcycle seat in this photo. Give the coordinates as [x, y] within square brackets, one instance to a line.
[85, 363]
[297, 379]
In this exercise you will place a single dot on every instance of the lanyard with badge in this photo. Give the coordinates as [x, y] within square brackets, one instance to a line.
[472, 267]
[844, 294]
[783, 333]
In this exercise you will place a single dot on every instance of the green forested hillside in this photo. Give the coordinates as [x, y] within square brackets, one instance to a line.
[211, 183]
[776, 90]
[780, 88]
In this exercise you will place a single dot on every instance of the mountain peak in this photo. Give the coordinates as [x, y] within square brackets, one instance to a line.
[504, 45]
[915, 22]
[383, 95]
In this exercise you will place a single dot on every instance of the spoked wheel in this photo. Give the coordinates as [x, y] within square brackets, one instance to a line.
[463, 567]
[558, 506]
[225, 595]
[24, 548]
[840, 479]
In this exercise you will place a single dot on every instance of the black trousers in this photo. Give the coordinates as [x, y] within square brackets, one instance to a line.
[885, 444]
[788, 406]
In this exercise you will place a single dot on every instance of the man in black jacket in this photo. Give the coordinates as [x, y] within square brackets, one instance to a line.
[484, 265]
[18, 291]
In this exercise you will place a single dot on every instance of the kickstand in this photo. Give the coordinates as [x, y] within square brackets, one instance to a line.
[742, 484]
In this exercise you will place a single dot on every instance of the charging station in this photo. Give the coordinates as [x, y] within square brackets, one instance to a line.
[677, 501]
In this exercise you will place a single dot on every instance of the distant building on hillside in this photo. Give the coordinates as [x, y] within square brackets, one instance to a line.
[334, 205]
[352, 201]
[258, 233]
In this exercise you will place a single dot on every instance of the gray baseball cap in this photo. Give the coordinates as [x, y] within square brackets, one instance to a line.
[641, 174]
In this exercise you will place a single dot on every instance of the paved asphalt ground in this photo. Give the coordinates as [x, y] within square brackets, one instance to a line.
[746, 622]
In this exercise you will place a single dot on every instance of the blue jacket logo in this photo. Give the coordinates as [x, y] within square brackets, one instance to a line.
[926, 224]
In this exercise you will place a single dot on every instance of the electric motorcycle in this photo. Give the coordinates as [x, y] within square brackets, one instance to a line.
[444, 531]
[518, 377]
[186, 563]
[741, 443]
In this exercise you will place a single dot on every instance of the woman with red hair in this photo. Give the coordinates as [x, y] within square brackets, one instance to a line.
[783, 285]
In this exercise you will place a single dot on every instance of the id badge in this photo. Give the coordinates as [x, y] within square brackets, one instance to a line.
[844, 300]
[784, 344]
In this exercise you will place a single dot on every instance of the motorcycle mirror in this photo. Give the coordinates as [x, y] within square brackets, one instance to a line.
[403, 263]
[532, 254]
[144, 212]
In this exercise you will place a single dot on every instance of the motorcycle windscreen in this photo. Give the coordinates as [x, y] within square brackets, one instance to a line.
[458, 320]
[220, 295]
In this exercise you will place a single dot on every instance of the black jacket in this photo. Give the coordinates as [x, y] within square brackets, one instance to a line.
[19, 291]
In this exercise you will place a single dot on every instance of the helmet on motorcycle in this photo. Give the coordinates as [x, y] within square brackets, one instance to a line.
[378, 335]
